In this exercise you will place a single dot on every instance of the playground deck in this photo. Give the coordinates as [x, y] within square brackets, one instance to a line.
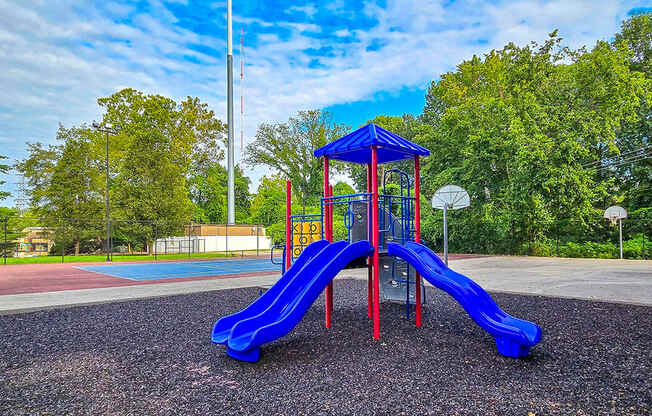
[99, 359]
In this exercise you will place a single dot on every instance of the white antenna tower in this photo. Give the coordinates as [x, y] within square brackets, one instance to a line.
[241, 92]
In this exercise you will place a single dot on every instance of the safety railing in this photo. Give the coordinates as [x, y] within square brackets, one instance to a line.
[395, 219]
[343, 205]
[271, 256]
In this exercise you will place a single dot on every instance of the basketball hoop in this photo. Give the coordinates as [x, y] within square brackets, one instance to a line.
[450, 197]
[615, 215]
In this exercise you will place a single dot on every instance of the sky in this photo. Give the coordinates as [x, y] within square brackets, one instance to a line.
[355, 58]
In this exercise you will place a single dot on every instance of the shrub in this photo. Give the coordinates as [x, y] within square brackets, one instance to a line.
[277, 232]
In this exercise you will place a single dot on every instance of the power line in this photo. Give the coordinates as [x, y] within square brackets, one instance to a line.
[637, 158]
[613, 161]
[619, 164]
[616, 157]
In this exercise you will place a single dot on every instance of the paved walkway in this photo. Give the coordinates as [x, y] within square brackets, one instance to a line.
[628, 281]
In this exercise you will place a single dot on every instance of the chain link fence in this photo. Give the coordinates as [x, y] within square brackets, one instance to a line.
[78, 239]
[563, 238]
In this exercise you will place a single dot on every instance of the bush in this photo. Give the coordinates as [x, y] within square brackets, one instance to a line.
[544, 248]
[276, 232]
[339, 230]
[637, 248]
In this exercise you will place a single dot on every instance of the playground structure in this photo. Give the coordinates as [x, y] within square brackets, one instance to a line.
[383, 228]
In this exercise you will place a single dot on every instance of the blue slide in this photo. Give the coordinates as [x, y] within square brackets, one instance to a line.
[280, 309]
[513, 336]
[222, 328]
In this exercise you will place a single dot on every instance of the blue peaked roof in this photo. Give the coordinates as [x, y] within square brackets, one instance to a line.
[356, 146]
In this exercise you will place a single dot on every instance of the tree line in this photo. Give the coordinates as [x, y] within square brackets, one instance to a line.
[544, 138]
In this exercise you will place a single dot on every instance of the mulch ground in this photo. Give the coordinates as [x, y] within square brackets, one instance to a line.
[154, 356]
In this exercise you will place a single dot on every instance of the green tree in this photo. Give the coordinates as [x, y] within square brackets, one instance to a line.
[208, 192]
[636, 33]
[3, 171]
[633, 171]
[288, 148]
[268, 205]
[515, 128]
[341, 188]
[14, 223]
[66, 185]
[161, 143]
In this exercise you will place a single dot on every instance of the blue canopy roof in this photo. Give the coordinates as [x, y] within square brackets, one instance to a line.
[356, 146]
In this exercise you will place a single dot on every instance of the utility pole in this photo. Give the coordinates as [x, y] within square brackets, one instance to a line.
[230, 210]
[106, 128]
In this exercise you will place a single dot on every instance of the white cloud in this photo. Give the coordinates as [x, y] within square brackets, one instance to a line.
[309, 10]
[55, 62]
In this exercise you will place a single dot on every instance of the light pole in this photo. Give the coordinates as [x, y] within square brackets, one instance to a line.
[106, 128]
[230, 184]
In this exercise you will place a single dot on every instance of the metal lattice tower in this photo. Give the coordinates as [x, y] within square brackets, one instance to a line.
[22, 199]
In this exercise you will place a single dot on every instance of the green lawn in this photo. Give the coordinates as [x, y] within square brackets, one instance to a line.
[123, 257]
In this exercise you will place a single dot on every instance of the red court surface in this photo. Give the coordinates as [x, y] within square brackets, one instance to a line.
[54, 277]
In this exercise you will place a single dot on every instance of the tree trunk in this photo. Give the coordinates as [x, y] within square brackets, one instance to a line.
[77, 248]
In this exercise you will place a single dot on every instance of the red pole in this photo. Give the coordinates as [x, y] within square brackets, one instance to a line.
[330, 215]
[417, 233]
[329, 288]
[288, 228]
[374, 231]
[370, 313]
[326, 205]
[329, 236]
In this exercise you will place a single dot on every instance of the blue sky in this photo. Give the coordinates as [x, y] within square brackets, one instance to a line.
[355, 58]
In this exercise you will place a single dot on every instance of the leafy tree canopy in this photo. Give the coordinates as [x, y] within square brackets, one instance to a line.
[3, 170]
[208, 192]
[287, 148]
[633, 171]
[516, 126]
[636, 33]
[268, 205]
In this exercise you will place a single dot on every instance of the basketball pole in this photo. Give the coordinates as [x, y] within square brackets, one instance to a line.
[620, 225]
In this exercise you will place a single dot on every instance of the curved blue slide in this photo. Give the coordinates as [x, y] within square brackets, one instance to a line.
[513, 336]
[283, 309]
[222, 328]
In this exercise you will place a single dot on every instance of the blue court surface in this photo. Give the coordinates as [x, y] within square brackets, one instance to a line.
[171, 270]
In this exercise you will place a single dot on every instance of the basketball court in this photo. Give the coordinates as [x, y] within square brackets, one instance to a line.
[39, 278]
[170, 270]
